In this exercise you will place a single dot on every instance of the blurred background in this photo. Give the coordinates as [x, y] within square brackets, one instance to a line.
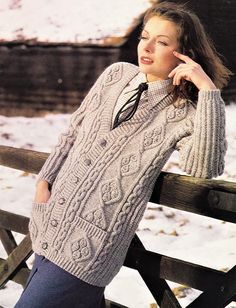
[51, 52]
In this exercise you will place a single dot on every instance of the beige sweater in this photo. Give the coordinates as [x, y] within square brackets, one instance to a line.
[102, 178]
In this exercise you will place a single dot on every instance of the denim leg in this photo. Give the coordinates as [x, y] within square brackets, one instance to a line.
[37, 260]
[51, 286]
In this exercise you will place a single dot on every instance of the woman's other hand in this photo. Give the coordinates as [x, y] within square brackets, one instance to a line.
[42, 193]
[191, 71]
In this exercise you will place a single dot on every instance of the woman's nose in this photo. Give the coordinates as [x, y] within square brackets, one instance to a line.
[149, 46]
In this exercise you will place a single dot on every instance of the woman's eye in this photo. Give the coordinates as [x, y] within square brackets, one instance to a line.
[162, 43]
[141, 37]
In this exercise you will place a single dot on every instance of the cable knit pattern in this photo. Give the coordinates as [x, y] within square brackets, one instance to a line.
[102, 178]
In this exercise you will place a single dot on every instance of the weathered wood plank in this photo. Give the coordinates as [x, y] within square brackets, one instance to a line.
[21, 276]
[14, 222]
[160, 290]
[111, 304]
[185, 273]
[222, 200]
[156, 285]
[192, 194]
[22, 159]
[7, 240]
[10, 267]
[10, 244]
[220, 293]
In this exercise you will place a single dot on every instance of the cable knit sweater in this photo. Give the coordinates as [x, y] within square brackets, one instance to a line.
[102, 178]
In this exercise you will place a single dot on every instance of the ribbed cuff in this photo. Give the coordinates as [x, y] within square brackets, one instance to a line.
[209, 95]
[39, 206]
[45, 178]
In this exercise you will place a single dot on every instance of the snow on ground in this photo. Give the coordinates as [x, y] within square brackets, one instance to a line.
[71, 21]
[170, 232]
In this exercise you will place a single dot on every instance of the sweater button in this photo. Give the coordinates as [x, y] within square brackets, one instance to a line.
[103, 142]
[62, 200]
[74, 179]
[54, 222]
[45, 245]
[87, 161]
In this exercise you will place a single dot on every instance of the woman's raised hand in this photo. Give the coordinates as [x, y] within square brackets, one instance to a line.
[191, 71]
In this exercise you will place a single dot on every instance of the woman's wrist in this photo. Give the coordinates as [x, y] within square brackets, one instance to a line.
[207, 85]
[208, 88]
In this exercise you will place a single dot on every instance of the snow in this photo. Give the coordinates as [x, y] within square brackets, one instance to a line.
[71, 21]
[174, 233]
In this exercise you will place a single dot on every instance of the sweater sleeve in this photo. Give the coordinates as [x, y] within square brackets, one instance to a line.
[202, 152]
[67, 138]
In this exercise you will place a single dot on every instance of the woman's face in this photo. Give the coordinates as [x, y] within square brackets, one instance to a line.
[159, 39]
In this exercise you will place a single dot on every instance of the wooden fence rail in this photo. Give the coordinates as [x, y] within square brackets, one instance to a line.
[212, 198]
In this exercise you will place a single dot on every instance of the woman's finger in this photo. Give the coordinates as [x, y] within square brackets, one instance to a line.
[181, 74]
[173, 72]
[184, 58]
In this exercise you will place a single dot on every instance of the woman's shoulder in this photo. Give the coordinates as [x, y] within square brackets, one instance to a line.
[116, 71]
[121, 65]
[122, 68]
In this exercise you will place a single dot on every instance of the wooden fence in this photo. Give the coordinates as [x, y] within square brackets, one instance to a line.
[212, 198]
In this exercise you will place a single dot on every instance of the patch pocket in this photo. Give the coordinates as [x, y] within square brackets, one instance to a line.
[36, 219]
[84, 242]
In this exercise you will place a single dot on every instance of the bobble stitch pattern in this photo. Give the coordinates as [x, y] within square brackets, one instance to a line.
[80, 249]
[110, 191]
[130, 164]
[153, 137]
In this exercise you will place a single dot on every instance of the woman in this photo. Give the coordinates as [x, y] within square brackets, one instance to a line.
[94, 187]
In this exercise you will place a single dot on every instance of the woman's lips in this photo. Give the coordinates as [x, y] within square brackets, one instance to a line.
[146, 60]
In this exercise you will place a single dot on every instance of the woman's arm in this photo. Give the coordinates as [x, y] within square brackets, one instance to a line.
[202, 153]
[66, 139]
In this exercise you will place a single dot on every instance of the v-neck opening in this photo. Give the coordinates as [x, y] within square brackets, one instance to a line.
[125, 127]
[113, 98]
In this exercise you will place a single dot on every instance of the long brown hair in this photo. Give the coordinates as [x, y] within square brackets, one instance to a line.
[195, 43]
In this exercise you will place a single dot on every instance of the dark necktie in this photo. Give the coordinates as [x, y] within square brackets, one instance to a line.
[134, 98]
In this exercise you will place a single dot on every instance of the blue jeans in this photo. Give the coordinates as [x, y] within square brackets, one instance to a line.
[50, 286]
